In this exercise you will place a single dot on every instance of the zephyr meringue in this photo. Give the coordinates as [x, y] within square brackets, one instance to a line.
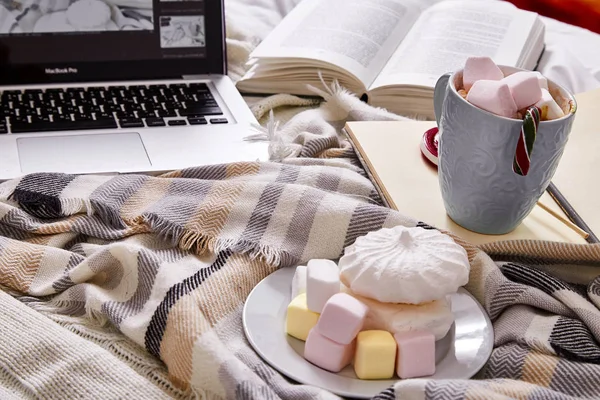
[435, 316]
[404, 265]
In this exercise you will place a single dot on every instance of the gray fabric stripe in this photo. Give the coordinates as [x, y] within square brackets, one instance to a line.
[169, 215]
[12, 225]
[328, 181]
[39, 194]
[288, 174]
[65, 281]
[506, 362]
[505, 296]
[209, 172]
[365, 218]
[149, 262]
[576, 379]
[259, 220]
[448, 390]
[108, 199]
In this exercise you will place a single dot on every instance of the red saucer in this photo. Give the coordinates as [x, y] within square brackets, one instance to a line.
[429, 145]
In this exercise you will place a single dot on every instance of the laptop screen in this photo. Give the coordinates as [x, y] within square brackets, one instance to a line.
[79, 40]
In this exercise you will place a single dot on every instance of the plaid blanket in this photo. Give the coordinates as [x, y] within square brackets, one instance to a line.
[165, 264]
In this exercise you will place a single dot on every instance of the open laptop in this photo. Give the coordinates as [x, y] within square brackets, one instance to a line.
[117, 86]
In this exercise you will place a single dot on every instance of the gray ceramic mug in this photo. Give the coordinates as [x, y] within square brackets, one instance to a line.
[480, 189]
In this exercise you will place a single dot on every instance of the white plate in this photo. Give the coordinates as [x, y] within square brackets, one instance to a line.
[459, 355]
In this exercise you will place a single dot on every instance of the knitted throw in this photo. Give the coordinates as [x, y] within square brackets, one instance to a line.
[167, 262]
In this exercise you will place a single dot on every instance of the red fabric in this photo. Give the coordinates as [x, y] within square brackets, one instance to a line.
[583, 13]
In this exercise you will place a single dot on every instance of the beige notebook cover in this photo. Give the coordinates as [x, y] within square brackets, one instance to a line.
[391, 153]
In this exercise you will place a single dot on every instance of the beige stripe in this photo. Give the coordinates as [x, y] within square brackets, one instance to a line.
[211, 216]
[539, 369]
[184, 324]
[41, 240]
[240, 215]
[329, 227]
[52, 268]
[549, 252]
[20, 263]
[171, 174]
[500, 390]
[62, 226]
[240, 275]
[151, 191]
[242, 169]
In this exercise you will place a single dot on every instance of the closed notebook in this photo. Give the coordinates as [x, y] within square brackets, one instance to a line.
[390, 152]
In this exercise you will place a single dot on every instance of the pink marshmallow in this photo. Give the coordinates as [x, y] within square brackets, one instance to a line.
[416, 354]
[493, 96]
[342, 318]
[478, 68]
[326, 353]
[525, 88]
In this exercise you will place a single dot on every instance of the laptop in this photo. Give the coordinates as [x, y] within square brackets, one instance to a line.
[117, 86]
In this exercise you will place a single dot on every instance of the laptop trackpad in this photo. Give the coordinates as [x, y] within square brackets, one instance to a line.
[111, 152]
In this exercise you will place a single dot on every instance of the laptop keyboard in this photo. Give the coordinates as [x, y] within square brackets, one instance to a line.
[37, 110]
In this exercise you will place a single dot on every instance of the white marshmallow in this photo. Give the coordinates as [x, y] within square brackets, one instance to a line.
[525, 88]
[493, 96]
[478, 68]
[541, 79]
[299, 281]
[549, 107]
[322, 282]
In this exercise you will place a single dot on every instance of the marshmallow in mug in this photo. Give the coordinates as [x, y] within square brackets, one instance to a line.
[510, 95]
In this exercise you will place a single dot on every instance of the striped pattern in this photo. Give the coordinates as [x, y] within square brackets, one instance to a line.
[168, 262]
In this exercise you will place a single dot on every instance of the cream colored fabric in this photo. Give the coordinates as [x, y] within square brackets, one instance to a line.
[41, 359]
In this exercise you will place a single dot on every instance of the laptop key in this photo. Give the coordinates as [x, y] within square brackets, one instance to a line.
[131, 123]
[200, 111]
[155, 122]
[177, 122]
[197, 121]
[167, 113]
[219, 121]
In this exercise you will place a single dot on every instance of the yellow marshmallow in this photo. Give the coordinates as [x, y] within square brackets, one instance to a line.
[299, 319]
[375, 356]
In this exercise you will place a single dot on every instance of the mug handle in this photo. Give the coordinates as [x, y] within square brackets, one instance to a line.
[439, 95]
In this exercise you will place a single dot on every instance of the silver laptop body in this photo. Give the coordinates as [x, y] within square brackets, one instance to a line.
[143, 90]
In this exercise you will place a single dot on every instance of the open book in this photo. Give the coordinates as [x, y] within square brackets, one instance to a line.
[392, 50]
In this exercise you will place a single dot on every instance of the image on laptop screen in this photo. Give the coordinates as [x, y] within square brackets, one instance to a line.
[58, 31]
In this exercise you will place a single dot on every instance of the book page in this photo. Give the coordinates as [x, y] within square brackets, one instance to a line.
[358, 36]
[448, 33]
